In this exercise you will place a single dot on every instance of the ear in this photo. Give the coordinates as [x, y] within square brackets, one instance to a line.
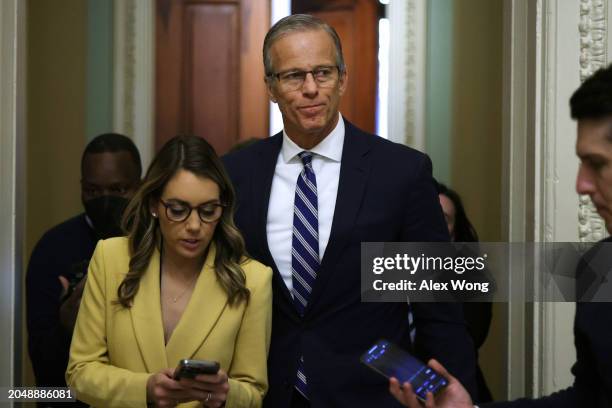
[154, 207]
[270, 89]
[343, 81]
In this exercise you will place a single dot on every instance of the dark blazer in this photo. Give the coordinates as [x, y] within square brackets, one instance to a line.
[592, 371]
[63, 250]
[593, 368]
[385, 193]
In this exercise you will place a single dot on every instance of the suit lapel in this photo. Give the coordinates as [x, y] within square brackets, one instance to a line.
[261, 182]
[147, 318]
[263, 173]
[354, 171]
[204, 309]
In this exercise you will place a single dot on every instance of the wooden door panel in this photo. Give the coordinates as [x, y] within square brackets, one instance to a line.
[342, 21]
[356, 22]
[211, 85]
[209, 73]
[254, 102]
[168, 63]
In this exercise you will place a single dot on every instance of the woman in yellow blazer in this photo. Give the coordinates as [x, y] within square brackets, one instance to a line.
[178, 287]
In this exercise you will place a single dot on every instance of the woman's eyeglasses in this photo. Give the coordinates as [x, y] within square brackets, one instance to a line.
[179, 212]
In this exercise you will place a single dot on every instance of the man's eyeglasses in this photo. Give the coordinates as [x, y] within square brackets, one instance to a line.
[324, 76]
[179, 212]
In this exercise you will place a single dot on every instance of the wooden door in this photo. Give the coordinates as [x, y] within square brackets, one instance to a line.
[209, 70]
[356, 22]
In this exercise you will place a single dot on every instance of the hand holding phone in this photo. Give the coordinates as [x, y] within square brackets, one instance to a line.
[210, 391]
[389, 360]
[452, 396]
[190, 368]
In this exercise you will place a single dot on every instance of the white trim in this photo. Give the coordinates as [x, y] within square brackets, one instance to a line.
[516, 197]
[134, 74]
[608, 35]
[556, 200]
[12, 184]
[278, 10]
[407, 72]
[542, 55]
[593, 50]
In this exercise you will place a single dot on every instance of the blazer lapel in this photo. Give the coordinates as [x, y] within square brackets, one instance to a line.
[263, 173]
[354, 172]
[204, 309]
[147, 318]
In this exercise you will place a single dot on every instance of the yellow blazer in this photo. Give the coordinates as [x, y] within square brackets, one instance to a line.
[114, 349]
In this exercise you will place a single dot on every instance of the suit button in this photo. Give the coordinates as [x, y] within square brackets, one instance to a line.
[287, 384]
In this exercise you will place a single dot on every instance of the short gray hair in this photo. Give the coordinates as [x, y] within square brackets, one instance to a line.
[296, 23]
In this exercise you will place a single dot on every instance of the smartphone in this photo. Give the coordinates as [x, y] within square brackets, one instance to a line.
[391, 361]
[191, 368]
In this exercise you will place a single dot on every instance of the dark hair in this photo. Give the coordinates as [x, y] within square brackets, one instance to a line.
[294, 23]
[113, 143]
[464, 230]
[593, 99]
[195, 155]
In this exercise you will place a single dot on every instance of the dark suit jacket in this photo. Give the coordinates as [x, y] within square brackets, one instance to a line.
[385, 193]
[593, 368]
[63, 250]
[593, 340]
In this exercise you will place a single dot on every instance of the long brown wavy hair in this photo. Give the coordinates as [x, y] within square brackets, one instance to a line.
[195, 155]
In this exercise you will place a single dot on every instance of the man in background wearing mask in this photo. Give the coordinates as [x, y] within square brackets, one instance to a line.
[110, 174]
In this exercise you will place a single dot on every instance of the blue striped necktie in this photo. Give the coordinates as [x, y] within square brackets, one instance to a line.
[305, 247]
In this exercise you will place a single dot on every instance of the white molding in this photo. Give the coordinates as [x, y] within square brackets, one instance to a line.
[517, 125]
[593, 50]
[539, 169]
[278, 10]
[134, 73]
[608, 33]
[570, 56]
[407, 72]
[559, 76]
[542, 44]
[12, 182]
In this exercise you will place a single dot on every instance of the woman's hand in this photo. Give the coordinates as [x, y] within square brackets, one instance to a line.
[163, 391]
[210, 390]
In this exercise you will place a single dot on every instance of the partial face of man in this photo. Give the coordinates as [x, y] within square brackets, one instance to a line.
[594, 148]
[310, 112]
[108, 174]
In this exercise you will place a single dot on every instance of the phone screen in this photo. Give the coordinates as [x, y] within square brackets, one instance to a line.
[391, 361]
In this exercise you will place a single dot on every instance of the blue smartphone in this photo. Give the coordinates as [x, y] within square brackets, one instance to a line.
[391, 361]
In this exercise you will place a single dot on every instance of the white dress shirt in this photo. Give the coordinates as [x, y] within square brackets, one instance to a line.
[326, 165]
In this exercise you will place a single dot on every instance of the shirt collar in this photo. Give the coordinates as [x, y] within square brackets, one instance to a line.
[330, 147]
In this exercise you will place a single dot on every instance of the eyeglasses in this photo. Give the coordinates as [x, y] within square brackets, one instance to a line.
[178, 212]
[324, 76]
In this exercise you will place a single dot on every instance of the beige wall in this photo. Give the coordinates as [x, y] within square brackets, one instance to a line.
[477, 105]
[476, 134]
[56, 40]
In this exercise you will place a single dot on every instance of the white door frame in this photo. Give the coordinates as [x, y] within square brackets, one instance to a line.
[12, 185]
[134, 74]
[408, 68]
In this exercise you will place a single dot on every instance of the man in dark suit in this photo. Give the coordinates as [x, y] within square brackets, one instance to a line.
[591, 106]
[307, 198]
[110, 174]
